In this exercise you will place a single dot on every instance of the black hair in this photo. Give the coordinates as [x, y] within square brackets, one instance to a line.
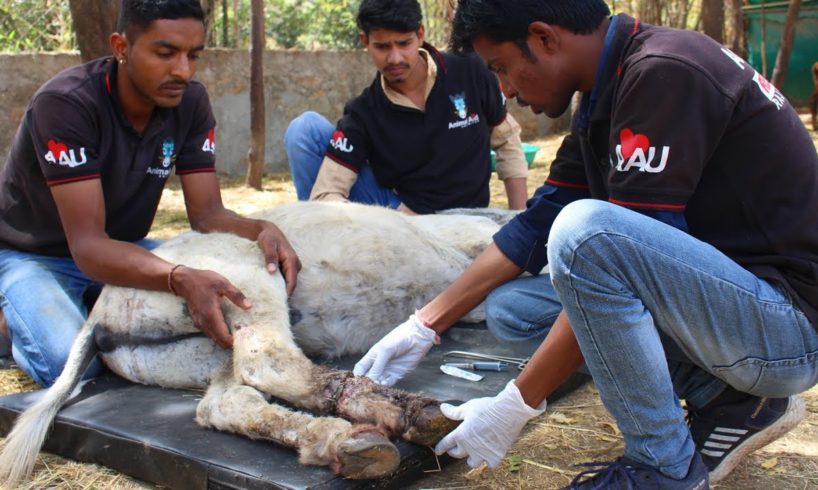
[508, 20]
[394, 15]
[136, 16]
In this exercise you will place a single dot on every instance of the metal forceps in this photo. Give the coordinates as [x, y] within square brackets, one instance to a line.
[519, 361]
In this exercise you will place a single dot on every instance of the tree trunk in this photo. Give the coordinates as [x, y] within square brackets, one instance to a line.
[225, 25]
[713, 19]
[737, 42]
[236, 33]
[94, 21]
[208, 7]
[782, 61]
[255, 156]
[650, 11]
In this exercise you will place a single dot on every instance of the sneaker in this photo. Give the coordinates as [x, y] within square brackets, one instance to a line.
[725, 433]
[624, 474]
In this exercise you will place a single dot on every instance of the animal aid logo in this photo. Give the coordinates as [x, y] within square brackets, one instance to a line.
[340, 142]
[60, 154]
[461, 110]
[166, 159]
[635, 151]
[209, 145]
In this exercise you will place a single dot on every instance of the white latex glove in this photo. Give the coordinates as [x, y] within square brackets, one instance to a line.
[397, 353]
[490, 426]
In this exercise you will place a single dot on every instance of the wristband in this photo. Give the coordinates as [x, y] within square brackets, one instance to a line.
[170, 279]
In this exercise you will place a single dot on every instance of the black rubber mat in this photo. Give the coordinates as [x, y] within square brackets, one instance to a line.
[149, 432]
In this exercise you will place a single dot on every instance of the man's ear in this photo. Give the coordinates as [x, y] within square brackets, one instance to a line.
[119, 45]
[543, 36]
[364, 38]
[421, 33]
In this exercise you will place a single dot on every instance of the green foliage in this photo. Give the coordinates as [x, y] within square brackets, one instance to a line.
[287, 21]
[45, 25]
[302, 24]
[36, 25]
[320, 24]
[332, 24]
[312, 24]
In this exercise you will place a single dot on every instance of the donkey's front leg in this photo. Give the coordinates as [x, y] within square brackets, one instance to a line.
[266, 358]
[353, 451]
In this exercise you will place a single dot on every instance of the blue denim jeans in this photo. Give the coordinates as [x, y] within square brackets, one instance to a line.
[638, 291]
[527, 307]
[306, 141]
[42, 301]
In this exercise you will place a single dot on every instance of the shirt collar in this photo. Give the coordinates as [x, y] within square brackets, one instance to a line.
[398, 98]
[596, 103]
[589, 99]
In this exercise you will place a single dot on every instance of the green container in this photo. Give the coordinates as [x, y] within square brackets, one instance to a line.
[529, 150]
[798, 85]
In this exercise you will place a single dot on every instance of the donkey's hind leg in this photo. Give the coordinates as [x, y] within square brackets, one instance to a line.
[353, 451]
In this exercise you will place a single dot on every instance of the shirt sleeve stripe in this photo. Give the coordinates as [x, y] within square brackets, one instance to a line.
[642, 205]
[558, 183]
[73, 179]
[195, 170]
[342, 163]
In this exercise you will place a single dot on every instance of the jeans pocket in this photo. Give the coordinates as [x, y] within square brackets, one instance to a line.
[777, 378]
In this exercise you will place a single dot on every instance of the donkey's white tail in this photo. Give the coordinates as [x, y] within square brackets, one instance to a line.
[20, 449]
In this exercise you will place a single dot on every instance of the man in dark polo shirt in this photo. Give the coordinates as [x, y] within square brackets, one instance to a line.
[679, 226]
[81, 186]
[418, 138]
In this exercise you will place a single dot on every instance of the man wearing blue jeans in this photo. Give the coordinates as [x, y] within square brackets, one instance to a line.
[45, 329]
[418, 138]
[679, 229]
[83, 180]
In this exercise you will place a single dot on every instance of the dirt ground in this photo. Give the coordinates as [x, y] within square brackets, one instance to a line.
[575, 429]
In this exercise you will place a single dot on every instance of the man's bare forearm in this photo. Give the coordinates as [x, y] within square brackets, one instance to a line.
[491, 269]
[120, 263]
[517, 192]
[553, 362]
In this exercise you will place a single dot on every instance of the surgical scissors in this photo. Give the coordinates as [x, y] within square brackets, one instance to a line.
[519, 361]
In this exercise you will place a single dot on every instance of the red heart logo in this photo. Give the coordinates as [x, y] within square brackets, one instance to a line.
[765, 85]
[57, 149]
[337, 135]
[630, 142]
[211, 136]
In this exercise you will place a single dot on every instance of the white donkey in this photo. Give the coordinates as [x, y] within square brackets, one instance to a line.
[365, 269]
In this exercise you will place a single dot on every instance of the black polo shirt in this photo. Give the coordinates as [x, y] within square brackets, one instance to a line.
[433, 159]
[682, 125]
[74, 129]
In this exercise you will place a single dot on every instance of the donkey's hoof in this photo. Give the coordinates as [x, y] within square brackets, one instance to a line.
[367, 455]
[429, 426]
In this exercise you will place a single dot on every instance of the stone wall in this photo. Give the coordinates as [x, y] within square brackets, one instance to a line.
[295, 81]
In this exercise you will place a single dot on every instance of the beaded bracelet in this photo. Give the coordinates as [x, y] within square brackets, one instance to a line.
[170, 279]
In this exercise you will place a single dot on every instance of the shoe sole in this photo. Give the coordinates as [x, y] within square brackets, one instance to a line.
[795, 413]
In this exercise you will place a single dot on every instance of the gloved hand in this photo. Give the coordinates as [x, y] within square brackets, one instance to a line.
[397, 353]
[490, 426]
